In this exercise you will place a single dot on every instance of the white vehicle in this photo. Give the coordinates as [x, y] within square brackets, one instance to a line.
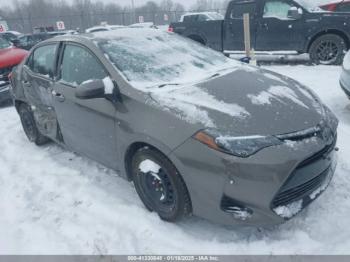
[143, 25]
[101, 28]
[201, 16]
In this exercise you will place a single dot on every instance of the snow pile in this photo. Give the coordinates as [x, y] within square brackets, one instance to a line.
[278, 93]
[149, 166]
[193, 104]
[295, 145]
[289, 210]
[109, 85]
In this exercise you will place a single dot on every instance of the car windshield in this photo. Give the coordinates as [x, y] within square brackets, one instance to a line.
[314, 5]
[4, 43]
[149, 57]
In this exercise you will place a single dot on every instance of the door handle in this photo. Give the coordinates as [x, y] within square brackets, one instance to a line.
[58, 96]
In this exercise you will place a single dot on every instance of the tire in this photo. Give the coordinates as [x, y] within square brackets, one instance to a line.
[163, 192]
[328, 50]
[29, 125]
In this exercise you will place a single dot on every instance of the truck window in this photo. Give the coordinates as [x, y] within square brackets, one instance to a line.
[276, 8]
[202, 18]
[238, 9]
[190, 18]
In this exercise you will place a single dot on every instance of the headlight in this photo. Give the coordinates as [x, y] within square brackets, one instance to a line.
[237, 146]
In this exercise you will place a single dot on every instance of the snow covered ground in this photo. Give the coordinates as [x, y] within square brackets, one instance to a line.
[55, 202]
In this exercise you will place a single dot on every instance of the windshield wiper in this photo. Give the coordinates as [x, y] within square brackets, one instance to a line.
[168, 84]
[215, 75]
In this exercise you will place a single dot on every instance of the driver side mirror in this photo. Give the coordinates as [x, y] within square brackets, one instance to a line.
[91, 89]
[295, 13]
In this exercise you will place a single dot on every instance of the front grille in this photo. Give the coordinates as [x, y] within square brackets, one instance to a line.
[286, 197]
[290, 192]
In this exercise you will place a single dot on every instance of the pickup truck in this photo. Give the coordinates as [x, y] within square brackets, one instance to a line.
[276, 25]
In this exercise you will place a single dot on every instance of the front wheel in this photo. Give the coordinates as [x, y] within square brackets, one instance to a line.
[29, 126]
[159, 185]
[328, 50]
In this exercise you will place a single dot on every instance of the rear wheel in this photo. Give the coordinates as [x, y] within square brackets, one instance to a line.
[159, 185]
[328, 50]
[29, 126]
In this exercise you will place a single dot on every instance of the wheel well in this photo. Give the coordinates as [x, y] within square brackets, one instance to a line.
[130, 153]
[330, 31]
[18, 103]
[197, 38]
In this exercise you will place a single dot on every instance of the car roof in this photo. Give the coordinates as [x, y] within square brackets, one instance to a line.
[106, 35]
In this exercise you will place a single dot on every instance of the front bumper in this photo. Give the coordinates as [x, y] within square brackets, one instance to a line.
[265, 189]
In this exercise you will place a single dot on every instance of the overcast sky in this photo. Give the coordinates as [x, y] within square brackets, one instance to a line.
[186, 3]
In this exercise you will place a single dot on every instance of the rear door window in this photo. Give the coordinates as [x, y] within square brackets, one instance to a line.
[241, 8]
[43, 60]
[80, 65]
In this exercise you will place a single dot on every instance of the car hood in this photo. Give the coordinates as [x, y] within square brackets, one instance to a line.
[11, 56]
[244, 102]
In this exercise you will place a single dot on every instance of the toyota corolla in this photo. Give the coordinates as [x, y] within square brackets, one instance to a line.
[196, 132]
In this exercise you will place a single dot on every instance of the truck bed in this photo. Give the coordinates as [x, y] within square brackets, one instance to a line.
[210, 32]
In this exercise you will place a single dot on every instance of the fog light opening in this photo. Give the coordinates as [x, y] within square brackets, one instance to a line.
[237, 210]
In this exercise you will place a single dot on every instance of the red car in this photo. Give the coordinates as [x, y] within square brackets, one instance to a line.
[340, 6]
[10, 56]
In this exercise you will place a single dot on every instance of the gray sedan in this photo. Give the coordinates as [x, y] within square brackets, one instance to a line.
[196, 132]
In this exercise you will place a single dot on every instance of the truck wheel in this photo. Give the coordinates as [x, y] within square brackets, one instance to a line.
[29, 126]
[328, 50]
[159, 185]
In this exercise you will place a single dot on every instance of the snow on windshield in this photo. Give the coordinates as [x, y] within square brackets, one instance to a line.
[151, 57]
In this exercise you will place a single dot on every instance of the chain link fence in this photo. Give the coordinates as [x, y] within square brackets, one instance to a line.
[83, 20]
